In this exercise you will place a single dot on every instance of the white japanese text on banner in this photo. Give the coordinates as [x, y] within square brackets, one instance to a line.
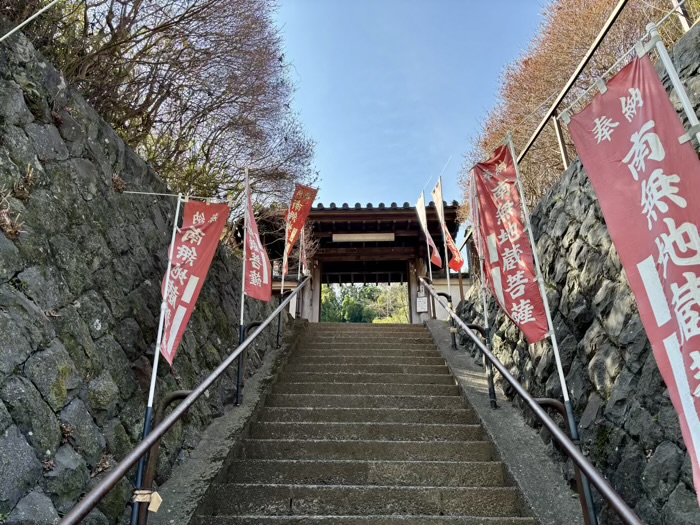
[508, 262]
[648, 184]
[194, 249]
[258, 271]
[296, 218]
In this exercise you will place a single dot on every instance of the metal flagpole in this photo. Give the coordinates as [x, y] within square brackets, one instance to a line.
[444, 243]
[245, 256]
[487, 328]
[552, 335]
[301, 244]
[156, 355]
[285, 260]
[677, 84]
[427, 244]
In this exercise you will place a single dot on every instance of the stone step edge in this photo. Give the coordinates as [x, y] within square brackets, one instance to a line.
[366, 423]
[363, 461]
[370, 409]
[369, 518]
[404, 488]
[387, 441]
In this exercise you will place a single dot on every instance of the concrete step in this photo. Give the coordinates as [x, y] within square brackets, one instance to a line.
[366, 388]
[351, 377]
[364, 352]
[397, 360]
[366, 431]
[342, 327]
[399, 338]
[372, 368]
[367, 450]
[270, 499]
[369, 415]
[361, 520]
[365, 401]
[329, 472]
[346, 345]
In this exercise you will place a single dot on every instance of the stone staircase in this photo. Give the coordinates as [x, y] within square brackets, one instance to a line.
[364, 426]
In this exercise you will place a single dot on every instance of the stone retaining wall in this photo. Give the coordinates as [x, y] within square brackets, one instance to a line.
[79, 302]
[628, 426]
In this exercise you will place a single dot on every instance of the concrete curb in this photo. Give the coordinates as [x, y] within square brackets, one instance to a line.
[519, 446]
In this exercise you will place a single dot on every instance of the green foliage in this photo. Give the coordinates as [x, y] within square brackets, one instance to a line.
[364, 304]
[330, 305]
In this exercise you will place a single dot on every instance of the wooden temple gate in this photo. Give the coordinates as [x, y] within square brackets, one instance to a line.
[374, 244]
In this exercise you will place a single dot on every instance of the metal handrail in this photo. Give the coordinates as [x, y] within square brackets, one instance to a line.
[92, 498]
[572, 79]
[623, 510]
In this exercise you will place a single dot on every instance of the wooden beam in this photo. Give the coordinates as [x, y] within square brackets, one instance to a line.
[365, 254]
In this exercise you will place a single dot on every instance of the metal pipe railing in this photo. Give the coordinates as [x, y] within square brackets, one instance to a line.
[570, 83]
[623, 510]
[92, 498]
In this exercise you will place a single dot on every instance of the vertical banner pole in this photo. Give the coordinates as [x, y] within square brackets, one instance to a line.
[241, 327]
[676, 81]
[245, 254]
[682, 13]
[285, 260]
[552, 335]
[148, 419]
[301, 251]
[480, 252]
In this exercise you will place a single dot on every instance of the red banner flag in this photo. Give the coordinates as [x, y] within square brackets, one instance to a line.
[296, 218]
[648, 184]
[423, 219]
[258, 271]
[192, 253]
[457, 261]
[508, 260]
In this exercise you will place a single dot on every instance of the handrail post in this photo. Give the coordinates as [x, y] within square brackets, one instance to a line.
[486, 334]
[279, 319]
[240, 375]
[585, 497]
[453, 328]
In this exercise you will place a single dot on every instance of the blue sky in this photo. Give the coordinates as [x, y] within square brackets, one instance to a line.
[390, 89]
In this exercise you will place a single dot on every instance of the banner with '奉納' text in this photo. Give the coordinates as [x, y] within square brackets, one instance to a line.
[648, 184]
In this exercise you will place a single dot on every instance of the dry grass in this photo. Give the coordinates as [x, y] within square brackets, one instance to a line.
[10, 225]
[22, 189]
